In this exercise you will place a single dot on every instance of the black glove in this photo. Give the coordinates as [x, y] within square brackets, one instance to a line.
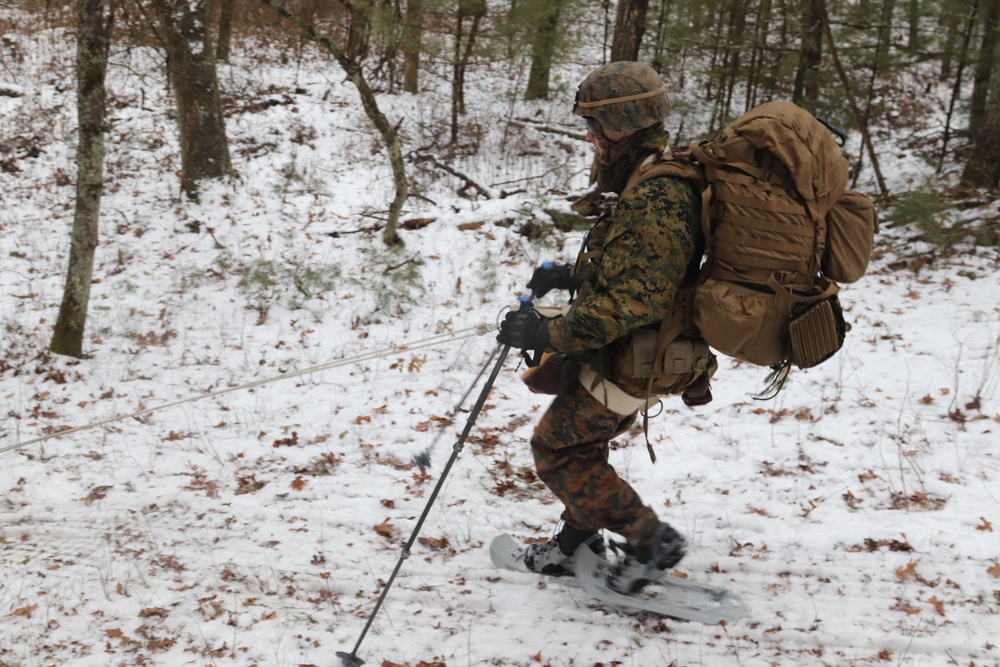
[551, 276]
[526, 330]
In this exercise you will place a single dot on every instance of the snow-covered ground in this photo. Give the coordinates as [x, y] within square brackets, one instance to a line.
[261, 372]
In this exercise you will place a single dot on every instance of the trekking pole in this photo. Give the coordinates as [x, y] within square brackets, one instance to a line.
[351, 659]
[423, 459]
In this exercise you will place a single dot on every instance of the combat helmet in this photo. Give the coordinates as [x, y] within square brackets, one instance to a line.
[623, 96]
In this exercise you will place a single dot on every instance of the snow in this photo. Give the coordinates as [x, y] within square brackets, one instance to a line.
[247, 485]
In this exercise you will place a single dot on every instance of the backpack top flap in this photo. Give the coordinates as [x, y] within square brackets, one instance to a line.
[805, 146]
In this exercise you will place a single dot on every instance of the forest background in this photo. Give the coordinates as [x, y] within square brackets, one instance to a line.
[251, 258]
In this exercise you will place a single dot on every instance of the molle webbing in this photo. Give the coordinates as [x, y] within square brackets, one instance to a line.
[760, 232]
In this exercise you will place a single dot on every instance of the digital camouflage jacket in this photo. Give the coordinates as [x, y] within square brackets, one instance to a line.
[633, 259]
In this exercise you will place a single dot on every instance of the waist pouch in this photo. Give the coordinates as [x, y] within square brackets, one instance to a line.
[683, 361]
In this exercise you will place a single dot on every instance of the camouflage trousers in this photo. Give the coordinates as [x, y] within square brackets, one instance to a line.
[570, 445]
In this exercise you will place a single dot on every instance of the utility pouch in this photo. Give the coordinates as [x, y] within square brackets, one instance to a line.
[681, 362]
[817, 332]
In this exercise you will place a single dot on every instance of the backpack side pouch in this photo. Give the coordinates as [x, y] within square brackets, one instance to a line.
[851, 226]
[817, 332]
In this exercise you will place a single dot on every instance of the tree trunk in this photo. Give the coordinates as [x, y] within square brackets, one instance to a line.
[737, 26]
[630, 24]
[225, 38]
[913, 40]
[956, 90]
[849, 93]
[412, 38]
[984, 66]
[390, 236]
[807, 79]
[983, 168]
[543, 49]
[659, 59]
[359, 29]
[93, 40]
[717, 41]
[951, 22]
[463, 53]
[885, 34]
[191, 61]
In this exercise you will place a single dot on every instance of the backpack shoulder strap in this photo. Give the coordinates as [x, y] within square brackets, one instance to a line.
[680, 163]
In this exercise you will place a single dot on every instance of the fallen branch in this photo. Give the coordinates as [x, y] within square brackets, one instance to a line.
[553, 130]
[469, 182]
[363, 230]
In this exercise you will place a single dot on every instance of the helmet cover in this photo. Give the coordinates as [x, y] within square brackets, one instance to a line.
[623, 96]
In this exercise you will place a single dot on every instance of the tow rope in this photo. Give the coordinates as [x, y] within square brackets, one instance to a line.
[431, 341]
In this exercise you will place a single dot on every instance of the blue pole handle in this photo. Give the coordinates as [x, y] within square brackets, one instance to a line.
[525, 303]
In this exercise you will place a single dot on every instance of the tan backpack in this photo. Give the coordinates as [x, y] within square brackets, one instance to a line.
[781, 231]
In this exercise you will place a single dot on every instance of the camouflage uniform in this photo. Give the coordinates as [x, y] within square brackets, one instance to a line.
[647, 245]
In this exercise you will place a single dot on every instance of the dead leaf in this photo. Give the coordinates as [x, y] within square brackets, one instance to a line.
[416, 363]
[937, 604]
[385, 529]
[115, 633]
[435, 543]
[905, 607]
[25, 611]
[298, 483]
[994, 570]
[986, 525]
[363, 419]
[908, 572]
[468, 226]
[97, 493]
[158, 612]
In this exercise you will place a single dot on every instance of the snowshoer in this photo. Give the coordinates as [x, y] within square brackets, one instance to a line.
[627, 277]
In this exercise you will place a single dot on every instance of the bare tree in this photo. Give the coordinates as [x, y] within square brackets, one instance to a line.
[191, 63]
[983, 167]
[464, 43]
[359, 28]
[985, 65]
[630, 24]
[866, 138]
[94, 23]
[412, 37]
[390, 133]
[807, 80]
[224, 38]
[543, 47]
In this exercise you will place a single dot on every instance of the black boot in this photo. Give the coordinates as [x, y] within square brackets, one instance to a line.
[642, 565]
[555, 557]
